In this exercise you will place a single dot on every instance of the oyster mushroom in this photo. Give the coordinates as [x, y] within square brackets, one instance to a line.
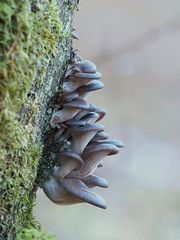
[84, 90]
[92, 156]
[83, 113]
[99, 137]
[77, 188]
[90, 117]
[96, 141]
[69, 96]
[69, 110]
[79, 79]
[85, 66]
[57, 194]
[66, 163]
[82, 135]
[93, 180]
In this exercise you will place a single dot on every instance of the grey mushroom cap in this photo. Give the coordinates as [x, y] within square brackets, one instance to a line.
[101, 146]
[72, 83]
[87, 127]
[54, 191]
[69, 96]
[96, 75]
[57, 194]
[77, 188]
[85, 66]
[69, 110]
[117, 143]
[95, 181]
[92, 156]
[90, 117]
[76, 123]
[66, 163]
[77, 103]
[100, 111]
[81, 136]
[99, 137]
[92, 86]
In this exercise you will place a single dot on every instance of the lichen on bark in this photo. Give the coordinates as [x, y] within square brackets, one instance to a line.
[35, 46]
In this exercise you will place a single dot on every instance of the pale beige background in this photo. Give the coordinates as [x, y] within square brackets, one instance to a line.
[136, 45]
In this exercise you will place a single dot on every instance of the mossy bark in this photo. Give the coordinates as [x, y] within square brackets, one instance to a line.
[35, 48]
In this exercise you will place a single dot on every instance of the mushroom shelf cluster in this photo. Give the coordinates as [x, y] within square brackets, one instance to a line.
[76, 120]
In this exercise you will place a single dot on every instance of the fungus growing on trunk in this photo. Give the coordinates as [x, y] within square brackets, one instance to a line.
[75, 120]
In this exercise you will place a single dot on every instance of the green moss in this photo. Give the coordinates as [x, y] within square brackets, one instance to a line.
[29, 33]
[34, 234]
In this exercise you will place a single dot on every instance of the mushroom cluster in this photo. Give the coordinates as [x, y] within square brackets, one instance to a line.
[76, 120]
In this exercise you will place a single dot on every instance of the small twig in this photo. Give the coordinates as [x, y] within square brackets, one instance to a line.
[12, 48]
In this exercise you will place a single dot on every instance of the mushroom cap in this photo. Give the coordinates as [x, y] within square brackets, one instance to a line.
[100, 136]
[54, 191]
[74, 122]
[95, 181]
[69, 96]
[90, 117]
[100, 111]
[82, 135]
[80, 190]
[66, 163]
[57, 194]
[87, 127]
[96, 75]
[85, 66]
[115, 142]
[76, 103]
[69, 110]
[92, 86]
[65, 155]
[100, 147]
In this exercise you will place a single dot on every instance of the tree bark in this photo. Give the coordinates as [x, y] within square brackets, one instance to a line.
[35, 43]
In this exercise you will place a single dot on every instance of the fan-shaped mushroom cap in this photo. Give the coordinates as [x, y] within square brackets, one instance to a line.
[101, 112]
[95, 181]
[73, 82]
[92, 76]
[84, 90]
[82, 113]
[80, 190]
[82, 135]
[92, 156]
[70, 109]
[57, 194]
[69, 96]
[90, 117]
[74, 122]
[115, 142]
[99, 137]
[66, 162]
[54, 191]
[85, 66]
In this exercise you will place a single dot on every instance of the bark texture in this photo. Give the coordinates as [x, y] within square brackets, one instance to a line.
[35, 48]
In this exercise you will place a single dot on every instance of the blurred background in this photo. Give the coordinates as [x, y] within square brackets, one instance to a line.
[136, 45]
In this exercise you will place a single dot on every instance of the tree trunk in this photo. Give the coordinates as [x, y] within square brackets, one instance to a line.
[35, 48]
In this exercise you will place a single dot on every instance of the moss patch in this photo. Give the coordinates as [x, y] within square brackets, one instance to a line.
[36, 234]
[29, 32]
